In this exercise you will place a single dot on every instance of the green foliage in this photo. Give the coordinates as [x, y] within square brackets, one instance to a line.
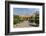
[37, 21]
[34, 19]
[17, 19]
[37, 18]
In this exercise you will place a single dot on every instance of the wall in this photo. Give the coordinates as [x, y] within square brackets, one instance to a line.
[2, 18]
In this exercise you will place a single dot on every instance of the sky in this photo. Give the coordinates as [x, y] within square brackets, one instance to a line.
[24, 11]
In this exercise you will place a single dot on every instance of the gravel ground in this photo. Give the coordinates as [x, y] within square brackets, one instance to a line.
[22, 24]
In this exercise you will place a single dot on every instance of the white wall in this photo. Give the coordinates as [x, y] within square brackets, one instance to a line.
[2, 18]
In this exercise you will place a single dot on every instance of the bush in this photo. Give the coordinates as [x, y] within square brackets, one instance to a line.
[16, 20]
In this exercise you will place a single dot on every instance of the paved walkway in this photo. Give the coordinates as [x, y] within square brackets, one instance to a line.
[22, 24]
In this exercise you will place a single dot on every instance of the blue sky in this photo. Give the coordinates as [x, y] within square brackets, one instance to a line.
[24, 11]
